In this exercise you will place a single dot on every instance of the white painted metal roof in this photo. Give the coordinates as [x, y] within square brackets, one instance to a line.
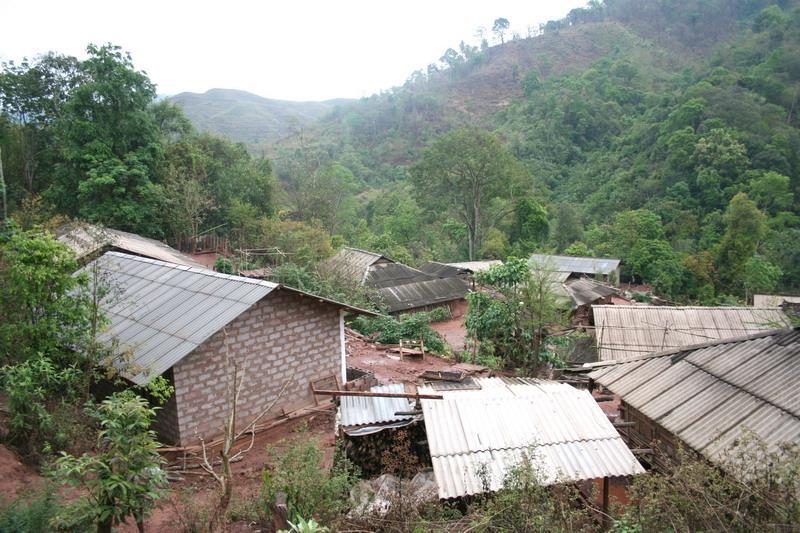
[477, 436]
[626, 331]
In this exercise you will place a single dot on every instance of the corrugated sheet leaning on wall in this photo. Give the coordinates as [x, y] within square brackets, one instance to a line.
[477, 436]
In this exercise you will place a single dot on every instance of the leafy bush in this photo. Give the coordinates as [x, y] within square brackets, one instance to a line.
[29, 512]
[311, 491]
[124, 478]
[31, 387]
[413, 326]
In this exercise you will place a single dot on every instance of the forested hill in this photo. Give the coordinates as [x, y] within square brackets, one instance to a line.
[248, 118]
[662, 132]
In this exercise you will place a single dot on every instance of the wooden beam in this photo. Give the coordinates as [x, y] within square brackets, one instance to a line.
[604, 398]
[379, 394]
[624, 424]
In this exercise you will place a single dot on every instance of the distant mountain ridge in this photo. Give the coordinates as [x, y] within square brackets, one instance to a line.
[247, 117]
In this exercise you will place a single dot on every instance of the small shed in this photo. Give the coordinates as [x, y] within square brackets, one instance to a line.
[706, 395]
[477, 436]
[180, 322]
[626, 331]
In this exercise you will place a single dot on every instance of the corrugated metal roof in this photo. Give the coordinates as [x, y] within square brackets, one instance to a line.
[159, 312]
[477, 434]
[393, 274]
[442, 270]
[582, 265]
[584, 291]
[366, 411]
[476, 266]
[773, 300]
[353, 263]
[423, 293]
[622, 332]
[706, 395]
[88, 240]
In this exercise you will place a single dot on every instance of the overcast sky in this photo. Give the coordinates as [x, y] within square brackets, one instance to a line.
[290, 49]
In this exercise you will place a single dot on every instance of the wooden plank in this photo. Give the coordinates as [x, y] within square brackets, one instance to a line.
[379, 394]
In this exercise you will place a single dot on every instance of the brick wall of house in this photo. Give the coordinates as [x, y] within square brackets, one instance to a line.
[284, 336]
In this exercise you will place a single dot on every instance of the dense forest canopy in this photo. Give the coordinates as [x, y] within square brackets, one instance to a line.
[663, 132]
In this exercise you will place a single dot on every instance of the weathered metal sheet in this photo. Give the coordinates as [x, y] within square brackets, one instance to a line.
[707, 395]
[626, 331]
[773, 300]
[585, 291]
[475, 266]
[366, 411]
[477, 436]
[424, 293]
[394, 274]
[159, 312]
[352, 263]
[442, 270]
[580, 265]
[87, 240]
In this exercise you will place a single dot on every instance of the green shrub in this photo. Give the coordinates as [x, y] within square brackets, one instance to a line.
[413, 326]
[311, 491]
[29, 512]
[31, 387]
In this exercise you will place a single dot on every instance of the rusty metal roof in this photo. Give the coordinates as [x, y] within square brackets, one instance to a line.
[367, 411]
[87, 240]
[706, 394]
[423, 293]
[581, 265]
[477, 436]
[625, 331]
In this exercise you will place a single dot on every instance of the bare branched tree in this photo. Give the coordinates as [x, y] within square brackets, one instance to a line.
[236, 372]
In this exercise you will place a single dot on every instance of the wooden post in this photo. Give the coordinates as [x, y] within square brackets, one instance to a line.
[605, 502]
[280, 512]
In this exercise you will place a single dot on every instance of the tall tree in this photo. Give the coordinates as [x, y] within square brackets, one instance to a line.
[464, 170]
[500, 27]
[110, 145]
[745, 227]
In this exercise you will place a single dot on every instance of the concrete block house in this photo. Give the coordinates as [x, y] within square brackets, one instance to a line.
[179, 322]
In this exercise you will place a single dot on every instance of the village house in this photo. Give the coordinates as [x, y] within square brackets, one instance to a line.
[180, 322]
[400, 288]
[89, 242]
[601, 268]
[706, 396]
[626, 331]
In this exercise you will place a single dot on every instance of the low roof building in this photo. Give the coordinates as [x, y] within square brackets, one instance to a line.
[477, 437]
[401, 287]
[577, 265]
[180, 322]
[774, 300]
[89, 241]
[627, 331]
[706, 395]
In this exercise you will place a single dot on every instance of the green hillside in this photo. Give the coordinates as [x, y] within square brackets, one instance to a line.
[246, 117]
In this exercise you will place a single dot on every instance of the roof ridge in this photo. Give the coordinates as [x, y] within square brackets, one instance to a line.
[579, 257]
[694, 347]
[196, 270]
[680, 307]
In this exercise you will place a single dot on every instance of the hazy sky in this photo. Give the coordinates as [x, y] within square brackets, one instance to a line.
[293, 50]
